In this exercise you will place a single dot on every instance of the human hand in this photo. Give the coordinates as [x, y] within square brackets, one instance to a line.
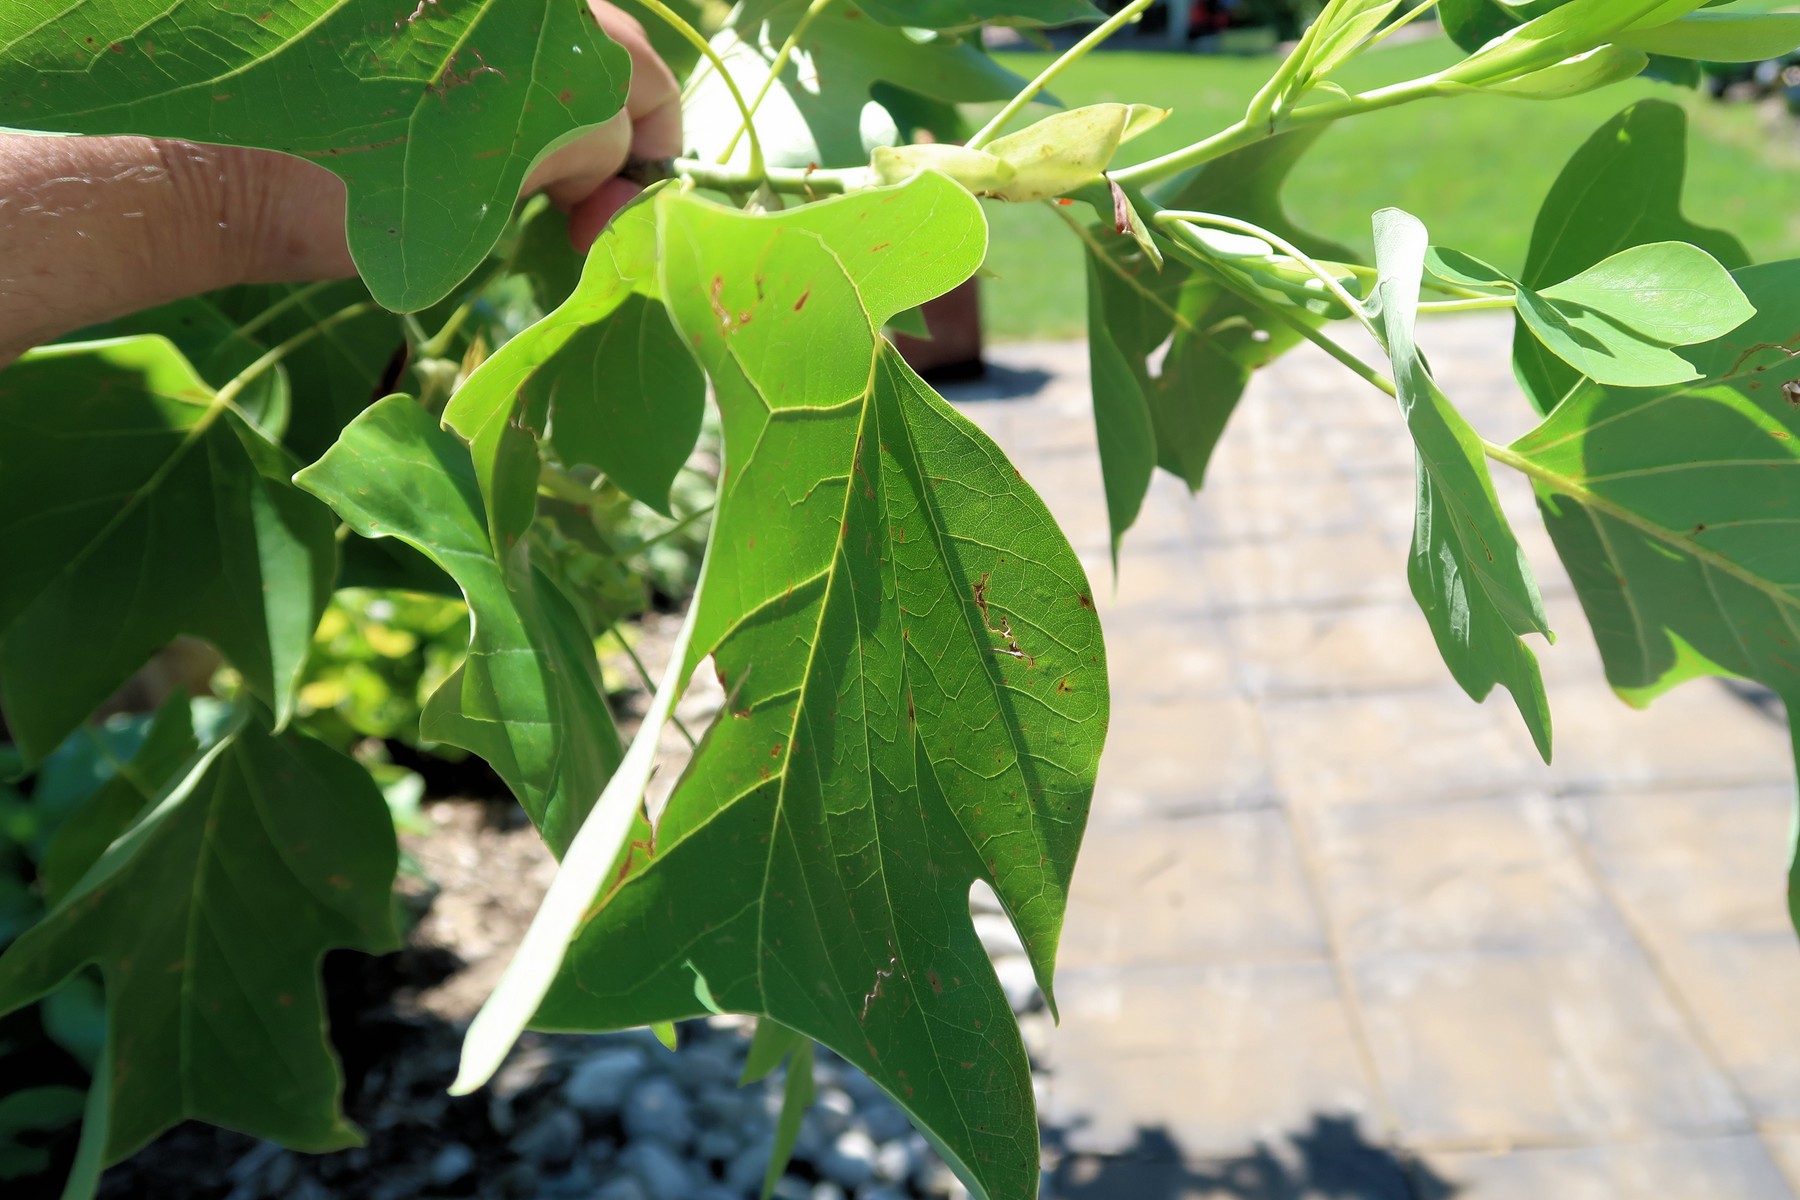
[93, 228]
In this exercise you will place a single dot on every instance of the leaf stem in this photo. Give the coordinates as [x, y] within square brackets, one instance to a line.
[226, 396]
[1181, 221]
[1401, 22]
[1468, 304]
[1235, 282]
[800, 180]
[1069, 57]
[776, 67]
[676, 22]
[296, 296]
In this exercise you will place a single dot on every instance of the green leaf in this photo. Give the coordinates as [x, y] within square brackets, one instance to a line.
[621, 390]
[818, 113]
[433, 118]
[340, 370]
[1467, 570]
[1670, 507]
[796, 1098]
[1609, 321]
[1216, 339]
[528, 699]
[918, 693]
[1670, 292]
[125, 789]
[961, 14]
[771, 1043]
[1721, 36]
[1065, 150]
[1561, 32]
[1598, 68]
[1118, 364]
[1471, 24]
[1621, 189]
[138, 504]
[34, 1110]
[207, 921]
[1343, 27]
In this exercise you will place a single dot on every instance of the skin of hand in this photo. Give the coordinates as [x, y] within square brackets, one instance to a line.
[93, 228]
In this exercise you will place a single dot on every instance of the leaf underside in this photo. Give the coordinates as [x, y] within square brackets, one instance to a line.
[917, 689]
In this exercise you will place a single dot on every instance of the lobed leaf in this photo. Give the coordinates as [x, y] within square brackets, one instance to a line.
[917, 692]
[605, 370]
[207, 920]
[528, 698]
[135, 507]
[432, 117]
[1621, 189]
[1467, 570]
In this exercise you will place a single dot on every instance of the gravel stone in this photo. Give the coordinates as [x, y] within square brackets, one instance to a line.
[719, 1145]
[552, 1140]
[881, 1193]
[884, 1121]
[453, 1164]
[892, 1162]
[851, 1159]
[833, 1109]
[664, 1176]
[623, 1188]
[657, 1110]
[827, 1191]
[600, 1084]
[745, 1172]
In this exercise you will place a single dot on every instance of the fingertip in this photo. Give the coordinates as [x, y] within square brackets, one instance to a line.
[588, 219]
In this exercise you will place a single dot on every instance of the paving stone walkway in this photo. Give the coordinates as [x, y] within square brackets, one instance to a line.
[1336, 931]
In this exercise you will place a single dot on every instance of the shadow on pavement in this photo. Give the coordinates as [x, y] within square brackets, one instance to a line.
[1329, 1160]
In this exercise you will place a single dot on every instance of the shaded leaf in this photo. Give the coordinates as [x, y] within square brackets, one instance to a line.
[139, 505]
[621, 391]
[1621, 189]
[796, 1098]
[207, 921]
[1467, 570]
[918, 694]
[528, 699]
[432, 117]
[121, 789]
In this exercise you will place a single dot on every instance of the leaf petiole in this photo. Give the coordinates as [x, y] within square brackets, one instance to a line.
[1071, 56]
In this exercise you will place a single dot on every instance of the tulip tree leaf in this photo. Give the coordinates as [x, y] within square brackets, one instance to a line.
[1615, 321]
[621, 391]
[1216, 339]
[1467, 570]
[1673, 510]
[432, 116]
[528, 698]
[1621, 189]
[1668, 505]
[207, 920]
[917, 689]
[137, 505]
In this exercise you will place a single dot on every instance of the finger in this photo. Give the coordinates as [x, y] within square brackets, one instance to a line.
[570, 175]
[589, 218]
[654, 99]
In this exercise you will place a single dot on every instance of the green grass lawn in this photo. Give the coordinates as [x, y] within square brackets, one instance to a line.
[1473, 169]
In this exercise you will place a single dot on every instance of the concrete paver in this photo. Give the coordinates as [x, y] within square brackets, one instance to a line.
[1337, 931]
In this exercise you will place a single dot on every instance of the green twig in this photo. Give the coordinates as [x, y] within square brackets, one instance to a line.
[648, 680]
[776, 67]
[1182, 222]
[1405, 19]
[226, 396]
[798, 180]
[675, 21]
[1072, 55]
